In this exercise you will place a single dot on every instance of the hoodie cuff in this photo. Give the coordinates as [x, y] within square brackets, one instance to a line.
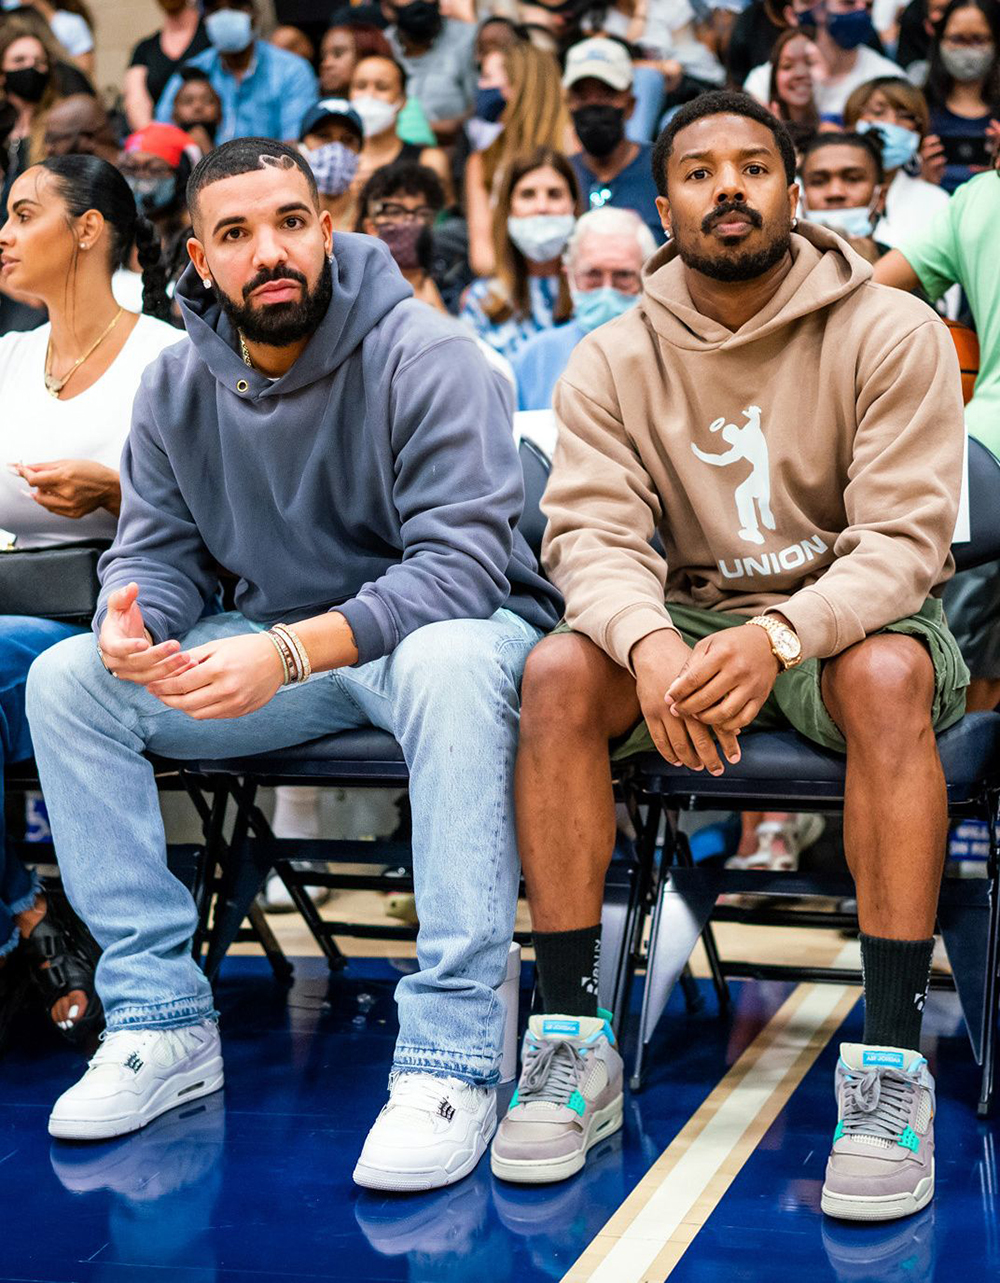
[815, 622]
[631, 625]
[368, 635]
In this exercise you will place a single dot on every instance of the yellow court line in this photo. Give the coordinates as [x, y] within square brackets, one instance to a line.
[649, 1233]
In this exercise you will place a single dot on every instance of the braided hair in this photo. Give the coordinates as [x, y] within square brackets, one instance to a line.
[87, 182]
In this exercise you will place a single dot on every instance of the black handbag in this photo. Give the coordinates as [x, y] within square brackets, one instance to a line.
[52, 583]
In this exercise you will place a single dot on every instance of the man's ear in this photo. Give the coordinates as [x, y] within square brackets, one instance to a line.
[793, 200]
[196, 252]
[663, 209]
[326, 226]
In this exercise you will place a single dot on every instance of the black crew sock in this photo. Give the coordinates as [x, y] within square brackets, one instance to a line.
[568, 964]
[896, 977]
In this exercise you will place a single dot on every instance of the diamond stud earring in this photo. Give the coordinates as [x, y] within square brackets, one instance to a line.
[207, 282]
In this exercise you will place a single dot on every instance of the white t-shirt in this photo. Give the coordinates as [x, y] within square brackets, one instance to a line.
[38, 428]
[831, 99]
[72, 32]
[910, 204]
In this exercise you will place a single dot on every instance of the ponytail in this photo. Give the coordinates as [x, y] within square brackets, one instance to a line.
[154, 275]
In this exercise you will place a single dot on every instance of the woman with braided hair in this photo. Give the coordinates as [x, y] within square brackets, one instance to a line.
[67, 390]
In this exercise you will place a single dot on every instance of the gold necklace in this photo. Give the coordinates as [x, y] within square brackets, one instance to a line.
[245, 351]
[53, 385]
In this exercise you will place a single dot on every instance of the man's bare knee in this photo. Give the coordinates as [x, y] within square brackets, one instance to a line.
[570, 686]
[882, 687]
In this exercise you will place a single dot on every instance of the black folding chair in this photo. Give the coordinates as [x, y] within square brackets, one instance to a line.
[371, 758]
[784, 771]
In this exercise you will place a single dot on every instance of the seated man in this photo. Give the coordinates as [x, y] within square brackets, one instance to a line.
[263, 90]
[843, 188]
[197, 108]
[603, 264]
[794, 434]
[349, 457]
[611, 169]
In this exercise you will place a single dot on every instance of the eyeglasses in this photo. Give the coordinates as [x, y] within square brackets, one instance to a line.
[391, 212]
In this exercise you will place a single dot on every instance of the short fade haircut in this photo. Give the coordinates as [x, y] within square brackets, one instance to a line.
[403, 178]
[720, 102]
[246, 156]
[867, 143]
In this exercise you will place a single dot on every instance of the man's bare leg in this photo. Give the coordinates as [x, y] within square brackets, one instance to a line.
[880, 694]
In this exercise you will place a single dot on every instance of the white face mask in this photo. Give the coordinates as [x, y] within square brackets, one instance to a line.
[541, 237]
[854, 222]
[376, 115]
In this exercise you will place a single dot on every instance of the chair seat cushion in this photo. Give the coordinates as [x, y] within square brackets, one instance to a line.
[785, 764]
[367, 754]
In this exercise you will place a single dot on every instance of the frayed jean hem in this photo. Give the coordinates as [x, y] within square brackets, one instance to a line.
[440, 1064]
[26, 901]
[159, 1016]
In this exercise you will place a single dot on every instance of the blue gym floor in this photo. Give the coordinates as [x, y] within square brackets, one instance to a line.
[254, 1184]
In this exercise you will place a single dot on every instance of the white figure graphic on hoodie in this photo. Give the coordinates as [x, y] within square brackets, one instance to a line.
[747, 443]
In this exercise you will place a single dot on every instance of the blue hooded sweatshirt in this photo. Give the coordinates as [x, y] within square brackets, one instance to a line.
[378, 476]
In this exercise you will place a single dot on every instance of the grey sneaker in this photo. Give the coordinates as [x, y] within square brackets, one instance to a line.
[568, 1098]
[882, 1163]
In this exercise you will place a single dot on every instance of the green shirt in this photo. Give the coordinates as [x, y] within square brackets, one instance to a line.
[960, 243]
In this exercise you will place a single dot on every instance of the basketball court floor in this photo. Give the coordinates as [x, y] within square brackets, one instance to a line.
[715, 1176]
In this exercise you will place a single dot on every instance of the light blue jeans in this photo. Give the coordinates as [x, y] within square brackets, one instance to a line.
[449, 693]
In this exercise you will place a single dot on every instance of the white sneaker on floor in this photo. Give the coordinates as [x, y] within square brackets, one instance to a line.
[136, 1075]
[275, 897]
[431, 1132]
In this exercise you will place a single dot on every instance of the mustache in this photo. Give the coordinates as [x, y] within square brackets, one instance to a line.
[721, 212]
[268, 274]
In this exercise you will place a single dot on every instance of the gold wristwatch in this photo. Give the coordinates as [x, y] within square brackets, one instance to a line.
[785, 644]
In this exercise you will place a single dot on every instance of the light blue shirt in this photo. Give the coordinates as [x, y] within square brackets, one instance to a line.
[506, 337]
[268, 102]
[540, 363]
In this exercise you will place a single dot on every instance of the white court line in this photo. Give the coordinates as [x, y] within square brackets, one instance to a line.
[641, 1242]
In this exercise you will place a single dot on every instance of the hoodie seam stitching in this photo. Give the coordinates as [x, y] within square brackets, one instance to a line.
[448, 338]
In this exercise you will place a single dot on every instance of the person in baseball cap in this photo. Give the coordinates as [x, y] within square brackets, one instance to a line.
[611, 169]
[156, 162]
[330, 139]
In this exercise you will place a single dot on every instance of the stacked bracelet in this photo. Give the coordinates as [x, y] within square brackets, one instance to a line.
[295, 665]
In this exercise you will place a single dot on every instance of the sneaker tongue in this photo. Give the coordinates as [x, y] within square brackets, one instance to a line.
[567, 1028]
[863, 1057]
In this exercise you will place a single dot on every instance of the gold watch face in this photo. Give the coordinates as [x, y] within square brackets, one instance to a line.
[786, 644]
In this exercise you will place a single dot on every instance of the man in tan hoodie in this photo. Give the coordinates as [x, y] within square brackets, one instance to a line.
[794, 435]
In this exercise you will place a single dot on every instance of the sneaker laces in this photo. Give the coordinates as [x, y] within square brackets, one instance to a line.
[424, 1094]
[116, 1046]
[877, 1106]
[551, 1074]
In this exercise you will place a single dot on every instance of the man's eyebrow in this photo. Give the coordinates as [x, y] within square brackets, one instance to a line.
[233, 221]
[746, 151]
[295, 207]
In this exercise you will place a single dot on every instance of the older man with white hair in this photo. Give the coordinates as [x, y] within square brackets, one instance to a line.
[603, 264]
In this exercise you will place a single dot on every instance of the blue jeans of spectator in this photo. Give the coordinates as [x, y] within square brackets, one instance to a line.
[22, 639]
[449, 693]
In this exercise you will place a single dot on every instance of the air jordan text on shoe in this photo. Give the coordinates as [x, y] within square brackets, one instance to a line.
[136, 1075]
[568, 1098]
[431, 1132]
[882, 1164]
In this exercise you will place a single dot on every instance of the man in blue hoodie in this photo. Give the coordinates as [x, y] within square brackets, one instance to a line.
[348, 455]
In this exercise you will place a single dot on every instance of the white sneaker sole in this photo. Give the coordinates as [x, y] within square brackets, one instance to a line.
[544, 1171]
[394, 1180]
[877, 1208]
[179, 1089]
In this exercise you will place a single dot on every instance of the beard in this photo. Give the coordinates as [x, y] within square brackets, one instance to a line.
[279, 324]
[730, 263]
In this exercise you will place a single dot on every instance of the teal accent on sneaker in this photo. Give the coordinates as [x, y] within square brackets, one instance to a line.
[607, 1017]
[909, 1140]
[577, 1103]
[883, 1059]
[513, 1101]
[839, 1132]
[571, 1027]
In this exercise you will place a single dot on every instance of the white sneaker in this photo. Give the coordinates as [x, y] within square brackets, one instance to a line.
[431, 1132]
[137, 1075]
[275, 898]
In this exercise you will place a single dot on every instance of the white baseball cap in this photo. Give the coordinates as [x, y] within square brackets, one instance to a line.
[600, 59]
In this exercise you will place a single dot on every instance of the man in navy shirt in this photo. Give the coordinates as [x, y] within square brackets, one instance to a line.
[611, 169]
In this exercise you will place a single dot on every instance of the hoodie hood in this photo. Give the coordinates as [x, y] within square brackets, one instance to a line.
[366, 286]
[824, 270]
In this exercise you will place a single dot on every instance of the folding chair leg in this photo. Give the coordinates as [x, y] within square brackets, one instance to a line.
[684, 857]
[985, 1106]
[283, 970]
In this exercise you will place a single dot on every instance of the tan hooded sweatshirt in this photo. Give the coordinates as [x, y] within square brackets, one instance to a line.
[812, 460]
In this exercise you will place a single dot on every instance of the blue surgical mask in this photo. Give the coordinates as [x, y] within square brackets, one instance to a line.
[854, 223]
[899, 144]
[229, 30]
[153, 194]
[592, 308]
[490, 104]
[850, 30]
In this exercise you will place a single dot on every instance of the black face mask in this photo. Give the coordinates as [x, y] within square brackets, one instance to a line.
[420, 20]
[600, 128]
[27, 83]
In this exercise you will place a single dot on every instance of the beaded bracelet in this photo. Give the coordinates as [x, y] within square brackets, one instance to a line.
[301, 654]
[285, 675]
[294, 657]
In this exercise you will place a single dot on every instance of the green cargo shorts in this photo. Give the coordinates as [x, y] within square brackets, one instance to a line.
[797, 700]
